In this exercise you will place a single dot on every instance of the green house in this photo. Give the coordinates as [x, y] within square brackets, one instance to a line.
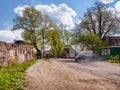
[110, 52]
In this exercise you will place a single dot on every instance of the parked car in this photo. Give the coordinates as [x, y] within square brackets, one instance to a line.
[84, 55]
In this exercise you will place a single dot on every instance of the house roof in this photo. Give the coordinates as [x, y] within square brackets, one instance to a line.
[112, 47]
[76, 47]
[112, 37]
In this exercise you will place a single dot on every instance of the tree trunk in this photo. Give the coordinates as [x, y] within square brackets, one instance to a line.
[38, 53]
[43, 47]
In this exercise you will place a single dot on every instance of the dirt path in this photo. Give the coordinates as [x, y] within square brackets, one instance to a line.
[52, 75]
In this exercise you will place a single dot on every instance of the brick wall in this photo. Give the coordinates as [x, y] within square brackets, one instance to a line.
[17, 52]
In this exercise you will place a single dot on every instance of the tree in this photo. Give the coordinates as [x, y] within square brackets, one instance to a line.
[54, 38]
[76, 32]
[67, 36]
[30, 23]
[47, 24]
[91, 42]
[99, 20]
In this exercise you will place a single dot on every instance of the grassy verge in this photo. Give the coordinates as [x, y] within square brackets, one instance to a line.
[12, 76]
[114, 61]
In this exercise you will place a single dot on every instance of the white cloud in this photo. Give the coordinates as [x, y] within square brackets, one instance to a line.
[106, 1]
[10, 36]
[59, 14]
[19, 10]
[117, 6]
[111, 9]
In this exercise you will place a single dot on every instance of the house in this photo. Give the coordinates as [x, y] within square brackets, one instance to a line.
[112, 50]
[70, 51]
[17, 52]
[113, 40]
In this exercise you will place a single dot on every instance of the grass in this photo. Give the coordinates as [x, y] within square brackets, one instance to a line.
[113, 61]
[12, 76]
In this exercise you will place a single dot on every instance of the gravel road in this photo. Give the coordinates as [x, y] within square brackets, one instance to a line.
[57, 74]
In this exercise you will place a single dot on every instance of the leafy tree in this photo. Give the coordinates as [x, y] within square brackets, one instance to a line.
[99, 20]
[47, 24]
[54, 38]
[91, 42]
[76, 32]
[67, 36]
[30, 22]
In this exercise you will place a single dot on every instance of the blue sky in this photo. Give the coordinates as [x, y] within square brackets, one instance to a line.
[7, 8]
[76, 8]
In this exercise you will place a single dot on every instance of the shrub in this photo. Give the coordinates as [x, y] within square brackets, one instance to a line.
[114, 59]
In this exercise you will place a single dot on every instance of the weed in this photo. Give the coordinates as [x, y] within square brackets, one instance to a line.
[12, 76]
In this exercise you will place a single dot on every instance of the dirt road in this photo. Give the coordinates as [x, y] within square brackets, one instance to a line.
[99, 68]
[53, 75]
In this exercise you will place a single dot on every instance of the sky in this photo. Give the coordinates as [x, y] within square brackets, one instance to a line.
[60, 11]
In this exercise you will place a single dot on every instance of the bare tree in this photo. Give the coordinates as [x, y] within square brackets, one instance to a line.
[99, 20]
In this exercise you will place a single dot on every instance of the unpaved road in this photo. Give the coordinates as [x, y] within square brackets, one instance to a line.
[54, 75]
[99, 68]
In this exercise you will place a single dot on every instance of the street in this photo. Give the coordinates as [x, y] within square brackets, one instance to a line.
[99, 68]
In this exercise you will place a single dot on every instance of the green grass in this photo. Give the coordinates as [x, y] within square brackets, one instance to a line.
[113, 61]
[12, 76]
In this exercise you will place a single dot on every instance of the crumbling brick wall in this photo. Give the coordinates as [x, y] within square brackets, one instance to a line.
[16, 52]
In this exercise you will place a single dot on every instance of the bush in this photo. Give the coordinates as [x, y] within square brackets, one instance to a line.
[11, 76]
[114, 59]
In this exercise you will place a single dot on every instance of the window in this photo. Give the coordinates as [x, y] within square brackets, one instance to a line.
[102, 51]
[105, 51]
[108, 50]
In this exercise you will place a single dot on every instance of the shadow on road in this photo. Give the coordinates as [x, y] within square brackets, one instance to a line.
[87, 60]
[68, 60]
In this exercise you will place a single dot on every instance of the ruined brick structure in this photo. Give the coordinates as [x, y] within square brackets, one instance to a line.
[17, 52]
